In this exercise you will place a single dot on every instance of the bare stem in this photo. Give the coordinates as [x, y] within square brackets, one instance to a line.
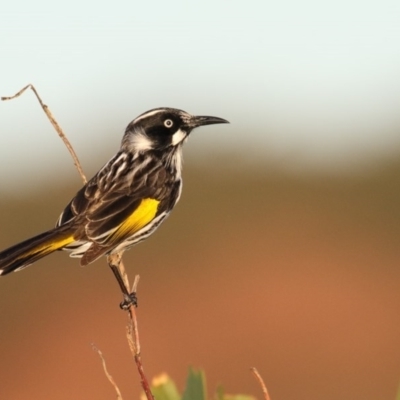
[55, 125]
[261, 382]
[114, 261]
[108, 375]
[132, 331]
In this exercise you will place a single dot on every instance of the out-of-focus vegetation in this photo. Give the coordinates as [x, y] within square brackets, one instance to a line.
[297, 275]
[164, 388]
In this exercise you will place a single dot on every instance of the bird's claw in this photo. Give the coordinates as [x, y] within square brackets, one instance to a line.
[129, 300]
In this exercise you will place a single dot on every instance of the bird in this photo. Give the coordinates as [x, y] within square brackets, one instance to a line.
[126, 200]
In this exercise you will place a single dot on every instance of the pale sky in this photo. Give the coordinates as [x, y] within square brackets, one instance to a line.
[302, 82]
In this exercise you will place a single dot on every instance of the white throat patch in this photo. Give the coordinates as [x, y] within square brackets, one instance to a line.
[178, 136]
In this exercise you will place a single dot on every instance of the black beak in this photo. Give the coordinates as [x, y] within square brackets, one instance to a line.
[196, 121]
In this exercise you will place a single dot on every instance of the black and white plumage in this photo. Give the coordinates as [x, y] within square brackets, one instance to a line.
[126, 200]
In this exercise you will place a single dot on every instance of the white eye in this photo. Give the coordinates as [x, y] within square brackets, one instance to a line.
[168, 123]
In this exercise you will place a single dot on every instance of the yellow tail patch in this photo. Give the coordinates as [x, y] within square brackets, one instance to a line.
[50, 246]
[144, 213]
[60, 243]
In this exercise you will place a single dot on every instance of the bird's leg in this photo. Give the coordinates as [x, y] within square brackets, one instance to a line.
[114, 261]
[129, 298]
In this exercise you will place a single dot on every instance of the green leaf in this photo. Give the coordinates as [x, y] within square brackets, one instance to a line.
[219, 393]
[195, 386]
[398, 394]
[163, 388]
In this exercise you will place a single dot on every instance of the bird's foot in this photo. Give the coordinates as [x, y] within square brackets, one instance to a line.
[130, 299]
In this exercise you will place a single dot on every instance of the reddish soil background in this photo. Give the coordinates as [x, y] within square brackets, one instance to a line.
[297, 276]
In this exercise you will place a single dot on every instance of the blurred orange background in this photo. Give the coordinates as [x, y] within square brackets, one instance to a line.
[295, 274]
[284, 251]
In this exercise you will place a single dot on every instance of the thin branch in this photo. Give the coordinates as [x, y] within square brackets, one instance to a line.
[132, 331]
[108, 375]
[133, 325]
[114, 261]
[55, 125]
[261, 382]
[132, 336]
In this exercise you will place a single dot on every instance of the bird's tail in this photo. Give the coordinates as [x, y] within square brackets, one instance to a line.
[27, 252]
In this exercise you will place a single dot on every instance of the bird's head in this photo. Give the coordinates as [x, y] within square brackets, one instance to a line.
[163, 128]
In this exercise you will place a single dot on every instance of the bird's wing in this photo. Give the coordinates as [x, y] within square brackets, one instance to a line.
[117, 203]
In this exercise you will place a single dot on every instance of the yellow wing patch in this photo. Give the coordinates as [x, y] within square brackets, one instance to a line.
[144, 213]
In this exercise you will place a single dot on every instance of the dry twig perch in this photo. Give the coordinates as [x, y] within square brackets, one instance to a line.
[261, 382]
[55, 125]
[108, 375]
[114, 260]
